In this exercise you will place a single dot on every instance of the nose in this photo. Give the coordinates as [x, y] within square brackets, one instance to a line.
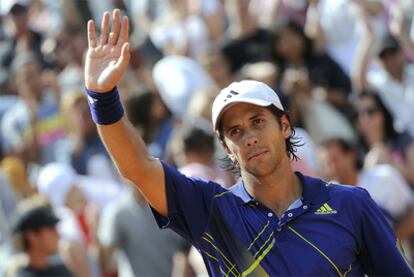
[250, 139]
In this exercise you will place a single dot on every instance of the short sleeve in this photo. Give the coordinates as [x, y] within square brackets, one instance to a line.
[189, 204]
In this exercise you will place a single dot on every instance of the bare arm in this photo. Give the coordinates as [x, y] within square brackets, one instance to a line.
[105, 64]
[75, 258]
[396, 26]
[361, 60]
[313, 27]
[105, 258]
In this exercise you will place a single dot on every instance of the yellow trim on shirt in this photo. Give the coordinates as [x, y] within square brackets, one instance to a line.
[259, 259]
[258, 235]
[317, 249]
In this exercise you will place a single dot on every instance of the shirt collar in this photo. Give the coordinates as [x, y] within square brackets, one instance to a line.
[315, 191]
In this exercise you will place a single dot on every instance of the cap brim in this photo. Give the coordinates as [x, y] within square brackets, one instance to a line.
[254, 101]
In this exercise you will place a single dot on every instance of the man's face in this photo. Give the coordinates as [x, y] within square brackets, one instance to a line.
[393, 59]
[29, 81]
[335, 162]
[254, 137]
[44, 240]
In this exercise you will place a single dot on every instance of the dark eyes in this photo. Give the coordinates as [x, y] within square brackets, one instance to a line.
[234, 131]
[257, 121]
[237, 130]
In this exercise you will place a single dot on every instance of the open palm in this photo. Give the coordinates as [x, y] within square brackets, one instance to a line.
[106, 62]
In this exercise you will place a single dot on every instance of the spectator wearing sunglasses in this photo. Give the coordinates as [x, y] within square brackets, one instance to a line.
[379, 139]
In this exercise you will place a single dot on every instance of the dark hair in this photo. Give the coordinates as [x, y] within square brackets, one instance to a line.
[292, 143]
[274, 33]
[389, 130]
[138, 109]
[197, 140]
[346, 147]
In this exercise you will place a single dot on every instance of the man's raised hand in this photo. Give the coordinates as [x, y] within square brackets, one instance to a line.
[107, 59]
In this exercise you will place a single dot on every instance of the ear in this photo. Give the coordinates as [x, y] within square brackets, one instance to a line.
[285, 126]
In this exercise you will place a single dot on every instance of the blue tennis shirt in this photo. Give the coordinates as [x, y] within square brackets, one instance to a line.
[332, 230]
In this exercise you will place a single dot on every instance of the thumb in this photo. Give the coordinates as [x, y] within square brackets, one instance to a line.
[123, 60]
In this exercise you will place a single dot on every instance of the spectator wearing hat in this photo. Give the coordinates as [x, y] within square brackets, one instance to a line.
[36, 235]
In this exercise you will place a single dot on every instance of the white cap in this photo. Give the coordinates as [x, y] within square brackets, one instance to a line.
[177, 78]
[247, 91]
[54, 182]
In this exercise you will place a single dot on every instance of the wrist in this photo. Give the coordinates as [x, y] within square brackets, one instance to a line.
[106, 108]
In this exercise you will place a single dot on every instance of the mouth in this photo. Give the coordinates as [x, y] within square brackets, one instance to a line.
[256, 154]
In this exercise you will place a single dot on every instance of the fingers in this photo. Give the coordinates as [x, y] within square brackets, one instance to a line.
[91, 34]
[123, 60]
[118, 34]
[105, 28]
[123, 36]
[116, 26]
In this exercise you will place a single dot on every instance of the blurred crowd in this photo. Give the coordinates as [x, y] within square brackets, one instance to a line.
[343, 68]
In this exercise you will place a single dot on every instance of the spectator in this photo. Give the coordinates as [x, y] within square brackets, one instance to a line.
[339, 163]
[68, 58]
[152, 119]
[77, 200]
[217, 65]
[35, 227]
[335, 28]
[185, 31]
[32, 128]
[193, 152]
[379, 140]
[392, 79]
[245, 42]
[83, 139]
[291, 48]
[21, 38]
[127, 225]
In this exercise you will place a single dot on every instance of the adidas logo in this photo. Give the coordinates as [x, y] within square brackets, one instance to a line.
[230, 95]
[325, 209]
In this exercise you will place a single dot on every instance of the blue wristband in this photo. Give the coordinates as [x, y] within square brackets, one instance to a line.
[106, 108]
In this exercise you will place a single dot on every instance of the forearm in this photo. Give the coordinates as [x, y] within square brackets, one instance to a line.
[126, 148]
[129, 153]
[105, 63]
[407, 44]
[359, 69]
[313, 27]
[104, 256]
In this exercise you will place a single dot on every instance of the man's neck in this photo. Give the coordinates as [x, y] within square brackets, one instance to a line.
[37, 259]
[276, 191]
[397, 74]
